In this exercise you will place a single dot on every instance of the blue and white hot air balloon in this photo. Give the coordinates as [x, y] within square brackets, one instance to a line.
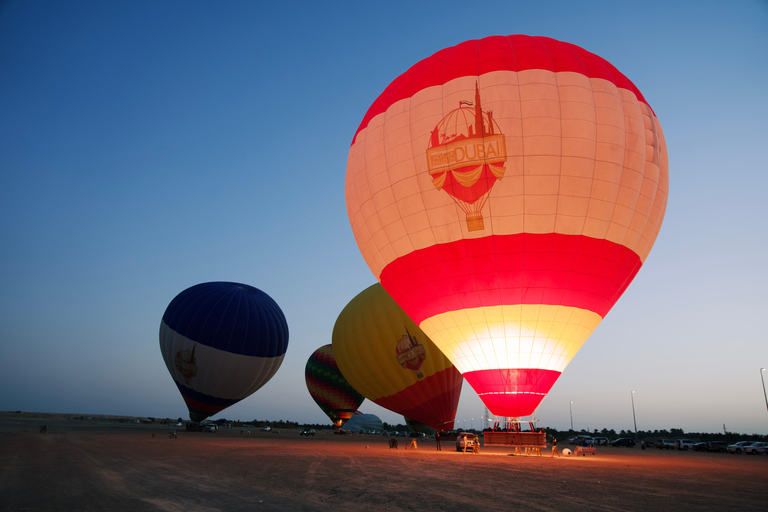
[221, 342]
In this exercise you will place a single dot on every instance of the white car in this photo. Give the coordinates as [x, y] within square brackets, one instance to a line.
[757, 448]
[738, 447]
[465, 442]
[684, 444]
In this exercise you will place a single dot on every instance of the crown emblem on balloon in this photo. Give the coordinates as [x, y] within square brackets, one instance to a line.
[465, 157]
[410, 354]
[186, 364]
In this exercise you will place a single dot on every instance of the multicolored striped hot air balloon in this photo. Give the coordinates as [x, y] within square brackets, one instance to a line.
[221, 342]
[386, 357]
[328, 387]
[505, 192]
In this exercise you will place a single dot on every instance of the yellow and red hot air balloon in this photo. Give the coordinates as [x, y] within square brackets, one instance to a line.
[505, 192]
[386, 357]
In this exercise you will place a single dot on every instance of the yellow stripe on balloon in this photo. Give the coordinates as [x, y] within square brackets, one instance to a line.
[512, 336]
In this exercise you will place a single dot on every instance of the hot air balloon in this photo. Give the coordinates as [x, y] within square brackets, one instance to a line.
[386, 357]
[221, 342]
[505, 192]
[328, 387]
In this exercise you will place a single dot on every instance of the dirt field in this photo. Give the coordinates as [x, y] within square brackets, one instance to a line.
[100, 465]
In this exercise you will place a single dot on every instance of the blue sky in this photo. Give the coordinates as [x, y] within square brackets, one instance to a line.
[149, 146]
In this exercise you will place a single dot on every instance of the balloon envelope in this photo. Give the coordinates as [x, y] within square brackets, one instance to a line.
[505, 192]
[387, 358]
[221, 342]
[328, 387]
[364, 422]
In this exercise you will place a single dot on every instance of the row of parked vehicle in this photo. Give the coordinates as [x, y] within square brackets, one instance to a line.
[748, 447]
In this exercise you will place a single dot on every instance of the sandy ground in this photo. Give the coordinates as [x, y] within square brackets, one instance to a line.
[101, 465]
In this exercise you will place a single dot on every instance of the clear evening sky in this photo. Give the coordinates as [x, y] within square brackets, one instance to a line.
[149, 146]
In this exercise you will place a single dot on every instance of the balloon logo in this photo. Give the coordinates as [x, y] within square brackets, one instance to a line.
[186, 364]
[328, 387]
[508, 277]
[410, 354]
[386, 357]
[466, 156]
[221, 342]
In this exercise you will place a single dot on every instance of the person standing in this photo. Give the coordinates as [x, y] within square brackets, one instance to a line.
[554, 448]
[437, 440]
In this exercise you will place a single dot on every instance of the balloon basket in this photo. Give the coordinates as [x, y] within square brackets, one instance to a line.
[475, 223]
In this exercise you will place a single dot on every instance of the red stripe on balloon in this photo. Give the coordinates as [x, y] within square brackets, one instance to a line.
[512, 392]
[552, 269]
[497, 53]
[417, 402]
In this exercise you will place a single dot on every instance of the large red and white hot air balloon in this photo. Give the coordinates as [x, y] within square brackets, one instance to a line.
[505, 192]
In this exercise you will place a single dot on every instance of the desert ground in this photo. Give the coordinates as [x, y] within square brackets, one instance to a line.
[108, 466]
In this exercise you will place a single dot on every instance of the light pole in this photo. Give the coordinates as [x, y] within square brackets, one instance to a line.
[472, 424]
[634, 418]
[762, 379]
[570, 407]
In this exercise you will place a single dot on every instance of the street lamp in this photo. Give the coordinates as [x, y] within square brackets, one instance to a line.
[570, 407]
[762, 379]
[472, 424]
[634, 418]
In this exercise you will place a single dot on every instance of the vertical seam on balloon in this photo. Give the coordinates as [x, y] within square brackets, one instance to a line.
[569, 311]
[504, 311]
[469, 260]
[623, 163]
[223, 295]
[554, 224]
[652, 117]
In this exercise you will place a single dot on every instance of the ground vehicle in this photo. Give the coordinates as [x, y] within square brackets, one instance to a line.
[308, 432]
[212, 428]
[738, 447]
[757, 448]
[665, 444]
[684, 444]
[600, 441]
[717, 446]
[266, 429]
[178, 424]
[700, 447]
[465, 441]
[623, 441]
[582, 441]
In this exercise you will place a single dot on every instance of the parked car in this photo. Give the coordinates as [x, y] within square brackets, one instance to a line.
[717, 446]
[623, 441]
[700, 447]
[178, 424]
[212, 428]
[684, 444]
[601, 441]
[465, 441]
[266, 429]
[757, 448]
[582, 441]
[738, 447]
[665, 444]
[308, 432]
